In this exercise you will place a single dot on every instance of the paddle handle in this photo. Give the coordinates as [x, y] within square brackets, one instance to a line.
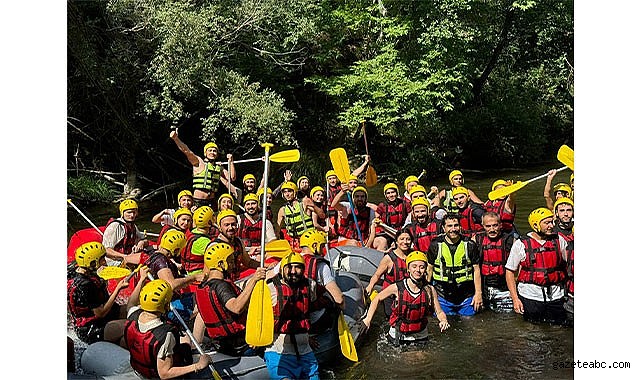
[545, 175]
[239, 161]
[364, 136]
[422, 174]
[263, 229]
[358, 229]
[389, 228]
[84, 216]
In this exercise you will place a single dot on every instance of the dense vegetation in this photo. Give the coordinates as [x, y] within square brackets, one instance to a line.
[466, 83]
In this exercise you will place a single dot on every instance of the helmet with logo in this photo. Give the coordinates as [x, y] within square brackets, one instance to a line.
[316, 189]
[248, 177]
[180, 212]
[415, 256]
[223, 214]
[537, 216]
[454, 173]
[203, 216]
[312, 236]
[562, 187]
[223, 196]
[421, 201]
[360, 188]
[330, 173]
[390, 186]
[409, 179]
[418, 188]
[563, 200]
[498, 182]
[460, 190]
[216, 256]
[209, 145]
[185, 193]
[251, 197]
[291, 258]
[89, 254]
[155, 296]
[127, 204]
[173, 241]
[289, 185]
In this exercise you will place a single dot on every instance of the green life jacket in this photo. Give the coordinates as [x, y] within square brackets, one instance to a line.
[451, 269]
[208, 179]
[296, 220]
[448, 204]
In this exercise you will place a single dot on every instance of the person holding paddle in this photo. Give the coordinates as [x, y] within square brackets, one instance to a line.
[364, 229]
[504, 206]
[227, 221]
[560, 190]
[393, 212]
[250, 225]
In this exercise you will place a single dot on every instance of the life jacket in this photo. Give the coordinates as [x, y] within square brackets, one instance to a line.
[311, 272]
[543, 264]
[498, 206]
[564, 233]
[158, 261]
[423, 236]
[190, 261]
[393, 215]
[83, 315]
[144, 347]
[398, 272]
[332, 191]
[209, 178]
[457, 268]
[296, 220]
[219, 321]
[468, 225]
[570, 267]
[126, 245]
[250, 231]
[494, 254]
[238, 257]
[410, 314]
[291, 312]
[347, 228]
[163, 230]
[448, 203]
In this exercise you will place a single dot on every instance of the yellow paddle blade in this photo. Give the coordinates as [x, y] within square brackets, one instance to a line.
[291, 155]
[373, 295]
[370, 177]
[507, 190]
[278, 248]
[347, 340]
[109, 273]
[566, 156]
[259, 330]
[340, 164]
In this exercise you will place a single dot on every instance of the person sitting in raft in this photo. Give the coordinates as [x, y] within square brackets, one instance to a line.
[122, 239]
[417, 301]
[91, 306]
[166, 216]
[154, 344]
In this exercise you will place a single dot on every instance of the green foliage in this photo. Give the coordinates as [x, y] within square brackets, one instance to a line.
[91, 188]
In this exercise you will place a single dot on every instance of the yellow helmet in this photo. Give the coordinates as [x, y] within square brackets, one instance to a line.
[360, 188]
[291, 258]
[248, 176]
[411, 178]
[572, 177]
[223, 196]
[224, 214]
[173, 241]
[537, 216]
[418, 188]
[251, 197]
[185, 193]
[330, 173]
[421, 201]
[203, 216]
[312, 236]
[89, 254]
[390, 186]
[261, 191]
[315, 189]
[216, 256]
[127, 204]
[562, 187]
[454, 173]
[180, 212]
[352, 177]
[415, 256]
[289, 185]
[300, 179]
[460, 190]
[155, 296]
[209, 145]
[563, 200]
[498, 182]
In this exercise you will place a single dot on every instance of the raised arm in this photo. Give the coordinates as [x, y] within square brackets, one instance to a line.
[336, 202]
[547, 190]
[359, 170]
[193, 159]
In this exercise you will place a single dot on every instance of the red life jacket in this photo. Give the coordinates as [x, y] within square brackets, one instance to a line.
[83, 315]
[219, 321]
[291, 312]
[494, 254]
[543, 264]
[238, 257]
[468, 224]
[126, 245]
[565, 234]
[393, 215]
[311, 272]
[331, 194]
[347, 228]
[423, 235]
[398, 272]
[250, 231]
[190, 261]
[144, 347]
[498, 206]
[570, 266]
[410, 314]
[270, 215]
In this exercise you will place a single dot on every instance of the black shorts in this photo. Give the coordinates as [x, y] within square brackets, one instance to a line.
[547, 312]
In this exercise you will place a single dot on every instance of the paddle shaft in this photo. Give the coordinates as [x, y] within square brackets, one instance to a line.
[365, 137]
[85, 216]
[422, 174]
[545, 175]
[239, 161]
[358, 229]
[389, 228]
[263, 229]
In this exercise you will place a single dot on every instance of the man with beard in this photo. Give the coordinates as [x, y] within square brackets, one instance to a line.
[365, 217]
[295, 217]
[495, 245]
[445, 197]
[250, 225]
[392, 212]
[453, 264]
[564, 218]
[539, 258]
[122, 239]
[422, 227]
[227, 221]
[505, 207]
[290, 355]
[470, 212]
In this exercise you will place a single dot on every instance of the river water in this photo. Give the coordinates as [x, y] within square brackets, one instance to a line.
[487, 345]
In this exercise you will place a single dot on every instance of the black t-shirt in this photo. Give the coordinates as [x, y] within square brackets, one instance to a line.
[454, 292]
[88, 293]
[223, 290]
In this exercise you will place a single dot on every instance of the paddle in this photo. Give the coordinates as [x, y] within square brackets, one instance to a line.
[84, 216]
[346, 339]
[109, 273]
[566, 156]
[422, 174]
[278, 248]
[507, 190]
[291, 155]
[370, 175]
[389, 229]
[338, 156]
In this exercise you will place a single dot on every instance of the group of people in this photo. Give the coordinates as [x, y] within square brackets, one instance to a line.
[446, 253]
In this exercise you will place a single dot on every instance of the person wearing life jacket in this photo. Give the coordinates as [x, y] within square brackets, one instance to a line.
[392, 267]
[366, 219]
[419, 191]
[94, 311]
[446, 199]
[227, 221]
[122, 239]
[183, 221]
[222, 305]
[290, 355]
[416, 302]
[539, 259]
[560, 190]
[250, 226]
[270, 198]
[321, 223]
[166, 216]
[470, 212]
[568, 305]
[303, 187]
[453, 266]
[505, 207]
[564, 218]
[191, 256]
[207, 175]
[333, 187]
[494, 245]
[392, 212]
[422, 227]
[294, 217]
[409, 183]
[161, 264]
[155, 348]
